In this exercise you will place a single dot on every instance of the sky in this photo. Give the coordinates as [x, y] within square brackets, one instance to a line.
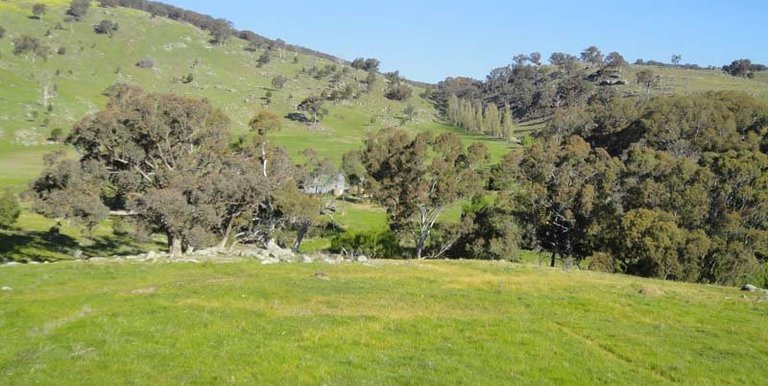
[429, 40]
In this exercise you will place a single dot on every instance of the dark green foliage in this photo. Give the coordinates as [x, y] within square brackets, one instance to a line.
[313, 105]
[221, 30]
[26, 44]
[399, 92]
[106, 27]
[264, 59]
[2, 32]
[491, 232]
[38, 10]
[56, 135]
[743, 68]
[9, 209]
[683, 196]
[78, 8]
[369, 64]
[279, 81]
[416, 178]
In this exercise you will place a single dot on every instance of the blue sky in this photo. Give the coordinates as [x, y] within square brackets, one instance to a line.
[430, 40]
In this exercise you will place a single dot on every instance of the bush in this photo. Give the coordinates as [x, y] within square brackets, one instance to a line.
[399, 92]
[374, 244]
[78, 8]
[2, 32]
[279, 81]
[62, 50]
[146, 63]
[56, 135]
[9, 209]
[106, 27]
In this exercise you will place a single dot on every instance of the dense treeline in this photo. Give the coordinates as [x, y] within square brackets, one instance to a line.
[533, 90]
[675, 188]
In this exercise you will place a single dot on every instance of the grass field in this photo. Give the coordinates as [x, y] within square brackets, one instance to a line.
[387, 322]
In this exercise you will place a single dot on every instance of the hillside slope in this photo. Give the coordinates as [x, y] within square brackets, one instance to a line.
[228, 75]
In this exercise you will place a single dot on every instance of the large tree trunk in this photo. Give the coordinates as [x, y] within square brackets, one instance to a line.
[174, 246]
[264, 158]
[225, 238]
[552, 260]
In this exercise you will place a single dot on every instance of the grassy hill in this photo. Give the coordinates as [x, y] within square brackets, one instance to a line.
[384, 323]
[228, 75]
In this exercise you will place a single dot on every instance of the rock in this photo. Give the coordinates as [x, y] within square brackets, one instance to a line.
[306, 259]
[6, 289]
[270, 260]
[361, 258]
[749, 287]
[151, 255]
[322, 276]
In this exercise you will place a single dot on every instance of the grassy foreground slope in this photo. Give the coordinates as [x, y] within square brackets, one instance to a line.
[385, 323]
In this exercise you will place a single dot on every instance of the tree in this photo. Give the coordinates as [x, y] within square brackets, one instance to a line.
[221, 30]
[300, 210]
[535, 58]
[416, 178]
[146, 153]
[676, 59]
[264, 59]
[647, 79]
[9, 209]
[566, 195]
[38, 10]
[106, 27]
[279, 81]
[564, 62]
[26, 44]
[261, 124]
[314, 105]
[592, 55]
[78, 8]
[398, 92]
[615, 60]
[740, 67]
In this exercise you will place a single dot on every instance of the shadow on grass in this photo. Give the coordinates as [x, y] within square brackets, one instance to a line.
[27, 246]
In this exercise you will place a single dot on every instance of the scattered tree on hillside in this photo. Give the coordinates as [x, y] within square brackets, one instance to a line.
[370, 64]
[592, 56]
[9, 209]
[106, 27]
[26, 44]
[647, 79]
[264, 59]
[676, 59]
[416, 178]
[313, 105]
[261, 124]
[615, 60]
[535, 58]
[78, 9]
[279, 81]
[221, 30]
[398, 92]
[743, 68]
[38, 10]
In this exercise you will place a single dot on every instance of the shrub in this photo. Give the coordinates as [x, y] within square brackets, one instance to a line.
[56, 135]
[399, 92]
[279, 81]
[9, 209]
[106, 27]
[2, 32]
[78, 8]
[62, 50]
